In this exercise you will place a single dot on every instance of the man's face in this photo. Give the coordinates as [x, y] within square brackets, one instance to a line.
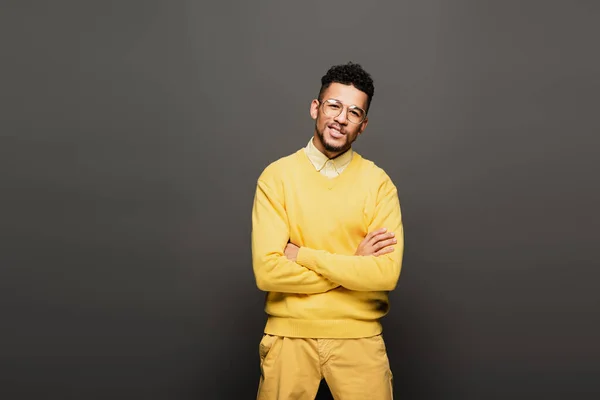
[334, 135]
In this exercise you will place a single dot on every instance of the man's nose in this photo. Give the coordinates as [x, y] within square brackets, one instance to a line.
[342, 117]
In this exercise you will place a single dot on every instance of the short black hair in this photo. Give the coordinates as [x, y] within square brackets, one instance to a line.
[349, 74]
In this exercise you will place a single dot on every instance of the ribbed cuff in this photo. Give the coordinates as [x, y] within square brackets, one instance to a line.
[307, 258]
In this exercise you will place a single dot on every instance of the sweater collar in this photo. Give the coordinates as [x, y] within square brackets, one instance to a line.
[319, 159]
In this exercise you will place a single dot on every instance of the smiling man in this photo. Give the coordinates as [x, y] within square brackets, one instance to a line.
[327, 247]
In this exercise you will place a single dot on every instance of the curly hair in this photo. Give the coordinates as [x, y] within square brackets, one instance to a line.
[349, 74]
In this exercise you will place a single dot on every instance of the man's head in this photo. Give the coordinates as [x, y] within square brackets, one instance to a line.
[340, 111]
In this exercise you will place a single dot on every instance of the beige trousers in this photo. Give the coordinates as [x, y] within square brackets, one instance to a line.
[292, 368]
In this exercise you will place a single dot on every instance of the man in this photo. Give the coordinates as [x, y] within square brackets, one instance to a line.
[327, 246]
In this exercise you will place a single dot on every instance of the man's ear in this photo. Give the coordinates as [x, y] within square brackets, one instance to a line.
[363, 125]
[314, 108]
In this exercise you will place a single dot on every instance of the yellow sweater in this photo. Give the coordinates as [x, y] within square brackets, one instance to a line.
[328, 292]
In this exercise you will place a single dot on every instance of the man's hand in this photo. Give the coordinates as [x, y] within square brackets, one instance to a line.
[376, 243]
[291, 251]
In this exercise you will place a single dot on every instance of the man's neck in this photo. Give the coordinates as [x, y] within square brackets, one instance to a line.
[331, 155]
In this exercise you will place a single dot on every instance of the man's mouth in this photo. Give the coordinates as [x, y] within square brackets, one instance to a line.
[335, 131]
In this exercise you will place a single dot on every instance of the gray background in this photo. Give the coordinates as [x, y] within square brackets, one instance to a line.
[132, 136]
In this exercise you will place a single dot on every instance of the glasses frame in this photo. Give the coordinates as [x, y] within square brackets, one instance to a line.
[322, 106]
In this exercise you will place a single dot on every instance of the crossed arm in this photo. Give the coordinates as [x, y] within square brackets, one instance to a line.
[280, 266]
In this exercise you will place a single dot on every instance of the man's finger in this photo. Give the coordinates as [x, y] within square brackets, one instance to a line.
[383, 236]
[371, 235]
[384, 243]
[374, 233]
[383, 251]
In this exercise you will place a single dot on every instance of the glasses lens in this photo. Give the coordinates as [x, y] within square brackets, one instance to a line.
[355, 115]
[332, 108]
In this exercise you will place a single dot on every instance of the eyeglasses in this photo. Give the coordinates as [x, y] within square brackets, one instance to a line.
[333, 108]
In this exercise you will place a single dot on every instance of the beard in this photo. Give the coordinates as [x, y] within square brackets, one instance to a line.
[328, 146]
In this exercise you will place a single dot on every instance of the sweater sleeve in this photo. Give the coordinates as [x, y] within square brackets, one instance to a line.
[273, 271]
[365, 273]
